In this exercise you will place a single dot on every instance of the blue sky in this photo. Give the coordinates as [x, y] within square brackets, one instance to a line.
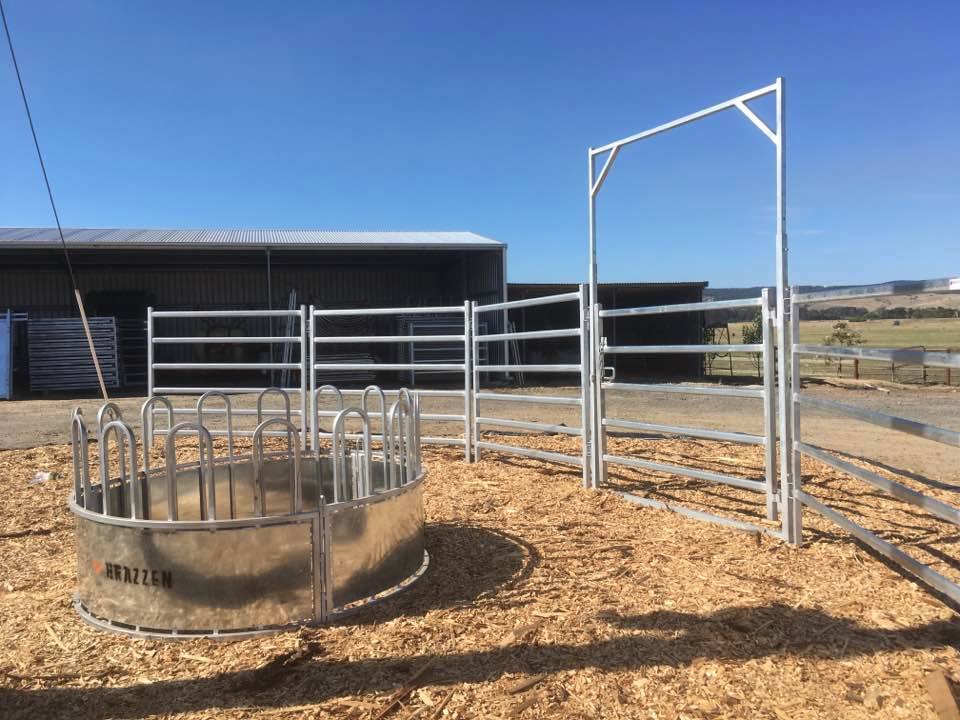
[477, 116]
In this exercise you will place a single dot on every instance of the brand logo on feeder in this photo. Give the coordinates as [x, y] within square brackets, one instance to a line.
[133, 575]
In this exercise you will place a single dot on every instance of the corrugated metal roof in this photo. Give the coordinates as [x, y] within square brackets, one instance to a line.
[238, 239]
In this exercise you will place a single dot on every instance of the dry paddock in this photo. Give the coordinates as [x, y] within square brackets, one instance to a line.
[541, 600]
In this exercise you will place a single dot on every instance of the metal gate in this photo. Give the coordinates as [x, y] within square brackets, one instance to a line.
[779, 491]
[768, 485]
[581, 368]
[801, 400]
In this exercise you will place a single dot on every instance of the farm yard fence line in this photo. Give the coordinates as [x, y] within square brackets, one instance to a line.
[801, 400]
[784, 502]
[581, 369]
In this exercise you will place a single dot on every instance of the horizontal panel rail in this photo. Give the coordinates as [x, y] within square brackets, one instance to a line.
[888, 550]
[388, 366]
[426, 440]
[531, 453]
[696, 514]
[217, 340]
[421, 393]
[686, 389]
[533, 399]
[907, 287]
[675, 349]
[891, 422]
[331, 339]
[528, 302]
[435, 417]
[235, 433]
[905, 357]
[188, 390]
[223, 411]
[346, 312]
[704, 433]
[224, 313]
[681, 308]
[738, 482]
[942, 510]
[227, 366]
[530, 425]
[528, 368]
[529, 335]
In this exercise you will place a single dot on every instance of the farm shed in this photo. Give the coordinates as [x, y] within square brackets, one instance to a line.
[648, 330]
[122, 272]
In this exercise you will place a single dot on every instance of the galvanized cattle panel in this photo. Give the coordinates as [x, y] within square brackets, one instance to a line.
[227, 579]
[375, 545]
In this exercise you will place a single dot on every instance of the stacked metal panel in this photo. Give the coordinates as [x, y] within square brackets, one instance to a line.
[60, 356]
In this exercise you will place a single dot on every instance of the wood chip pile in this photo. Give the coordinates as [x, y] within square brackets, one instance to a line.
[542, 600]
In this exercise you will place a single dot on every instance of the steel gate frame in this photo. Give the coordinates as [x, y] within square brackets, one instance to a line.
[766, 393]
[316, 339]
[582, 333]
[302, 366]
[785, 504]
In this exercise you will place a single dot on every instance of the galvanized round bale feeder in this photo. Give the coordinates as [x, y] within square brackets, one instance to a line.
[231, 545]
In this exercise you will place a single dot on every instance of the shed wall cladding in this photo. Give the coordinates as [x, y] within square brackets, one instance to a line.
[123, 283]
[673, 329]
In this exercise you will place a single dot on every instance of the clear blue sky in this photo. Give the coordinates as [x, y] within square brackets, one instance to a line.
[456, 116]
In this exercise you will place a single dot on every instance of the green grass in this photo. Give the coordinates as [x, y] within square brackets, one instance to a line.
[931, 333]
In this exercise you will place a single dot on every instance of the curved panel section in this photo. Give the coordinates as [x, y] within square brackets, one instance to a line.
[375, 545]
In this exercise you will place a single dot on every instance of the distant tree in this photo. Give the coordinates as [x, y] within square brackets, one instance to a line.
[752, 334]
[842, 336]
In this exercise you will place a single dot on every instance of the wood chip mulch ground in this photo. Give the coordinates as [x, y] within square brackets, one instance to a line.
[541, 600]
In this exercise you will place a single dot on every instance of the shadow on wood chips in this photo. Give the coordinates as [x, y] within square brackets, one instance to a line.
[541, 600]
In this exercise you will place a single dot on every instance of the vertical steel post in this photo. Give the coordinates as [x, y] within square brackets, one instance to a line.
[598, 475]
[304, 363]
[475, 404]
[467, 384]
[795, 509]
[148, 431]
[783, 322]
[505, 316]
[312, 403]
[599, 404]
[770, 405]
[585, 389]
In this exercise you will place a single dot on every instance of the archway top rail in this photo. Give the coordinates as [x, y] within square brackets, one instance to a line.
[739, 102]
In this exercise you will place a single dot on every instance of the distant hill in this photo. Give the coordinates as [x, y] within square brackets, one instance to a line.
[869, 304]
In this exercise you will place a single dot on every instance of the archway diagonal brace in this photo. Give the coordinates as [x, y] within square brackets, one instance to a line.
[598, 183]
[752, 117]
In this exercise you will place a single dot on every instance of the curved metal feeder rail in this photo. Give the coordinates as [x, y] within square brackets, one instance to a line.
[305, 537]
